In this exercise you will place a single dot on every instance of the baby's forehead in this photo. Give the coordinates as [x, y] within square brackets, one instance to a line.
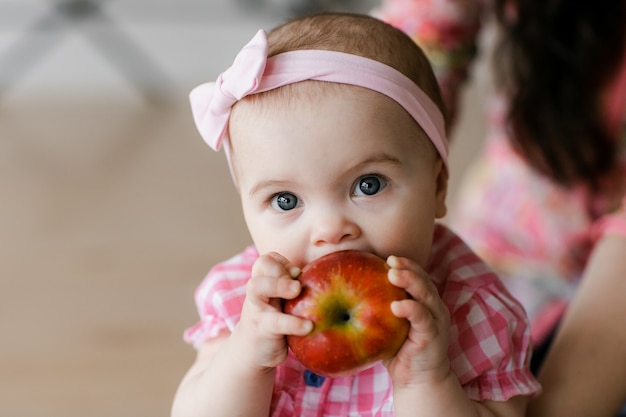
[303, 97]
[309, 94]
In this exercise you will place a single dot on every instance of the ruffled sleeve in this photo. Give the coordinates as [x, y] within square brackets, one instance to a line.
[220, 297]
[490, 345]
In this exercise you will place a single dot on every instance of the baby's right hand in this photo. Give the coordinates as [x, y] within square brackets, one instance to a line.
[263, 326]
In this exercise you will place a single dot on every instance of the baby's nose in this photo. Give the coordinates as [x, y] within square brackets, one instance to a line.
[333, 227]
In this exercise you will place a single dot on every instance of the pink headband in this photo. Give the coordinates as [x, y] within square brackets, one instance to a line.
[252, 72]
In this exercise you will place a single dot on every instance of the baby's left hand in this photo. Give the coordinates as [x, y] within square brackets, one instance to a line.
[424, 356]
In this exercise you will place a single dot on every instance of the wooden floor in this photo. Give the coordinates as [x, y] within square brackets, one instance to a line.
[111, 215]
[111, 212]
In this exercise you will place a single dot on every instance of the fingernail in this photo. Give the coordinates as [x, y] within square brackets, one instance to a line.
[392, 276]
[294, 271]
[308, 326]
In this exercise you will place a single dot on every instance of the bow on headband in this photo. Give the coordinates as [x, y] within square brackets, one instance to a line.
[252, 72]
[211, 102]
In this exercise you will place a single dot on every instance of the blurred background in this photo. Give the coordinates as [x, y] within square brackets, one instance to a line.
[112, 209]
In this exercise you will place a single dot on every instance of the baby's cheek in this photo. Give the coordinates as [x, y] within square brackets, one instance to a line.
[407, 245]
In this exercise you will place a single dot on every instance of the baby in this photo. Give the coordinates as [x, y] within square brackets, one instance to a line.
[334, 131]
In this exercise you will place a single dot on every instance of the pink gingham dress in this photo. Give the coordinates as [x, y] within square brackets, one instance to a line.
[489, 351]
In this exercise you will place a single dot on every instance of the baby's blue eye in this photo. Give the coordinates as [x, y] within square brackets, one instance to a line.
[369, 185]
[285, 201]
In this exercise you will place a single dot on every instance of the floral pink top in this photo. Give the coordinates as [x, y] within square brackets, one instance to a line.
[489, 351]
[535, 235]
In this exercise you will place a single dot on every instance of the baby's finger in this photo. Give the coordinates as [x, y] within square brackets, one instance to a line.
[417, 313]
[265, 288]
[407, 274]
[424, 327]
[273, 277]
[274, 264]
[285, 324]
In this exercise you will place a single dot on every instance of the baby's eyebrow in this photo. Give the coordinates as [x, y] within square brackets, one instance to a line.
[382, 158]
[276, 184]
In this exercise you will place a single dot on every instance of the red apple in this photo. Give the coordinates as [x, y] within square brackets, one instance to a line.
[348, 297]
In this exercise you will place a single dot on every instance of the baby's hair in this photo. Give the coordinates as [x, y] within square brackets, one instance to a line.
[358, 35]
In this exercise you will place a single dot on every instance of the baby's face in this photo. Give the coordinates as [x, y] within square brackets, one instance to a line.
[343, 171]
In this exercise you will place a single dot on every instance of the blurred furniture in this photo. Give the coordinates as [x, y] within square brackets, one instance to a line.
[104, 34]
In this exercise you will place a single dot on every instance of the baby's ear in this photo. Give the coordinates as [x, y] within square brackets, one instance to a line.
[441, 172]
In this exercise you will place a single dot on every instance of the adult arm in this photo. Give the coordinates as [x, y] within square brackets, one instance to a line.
[585, 371]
